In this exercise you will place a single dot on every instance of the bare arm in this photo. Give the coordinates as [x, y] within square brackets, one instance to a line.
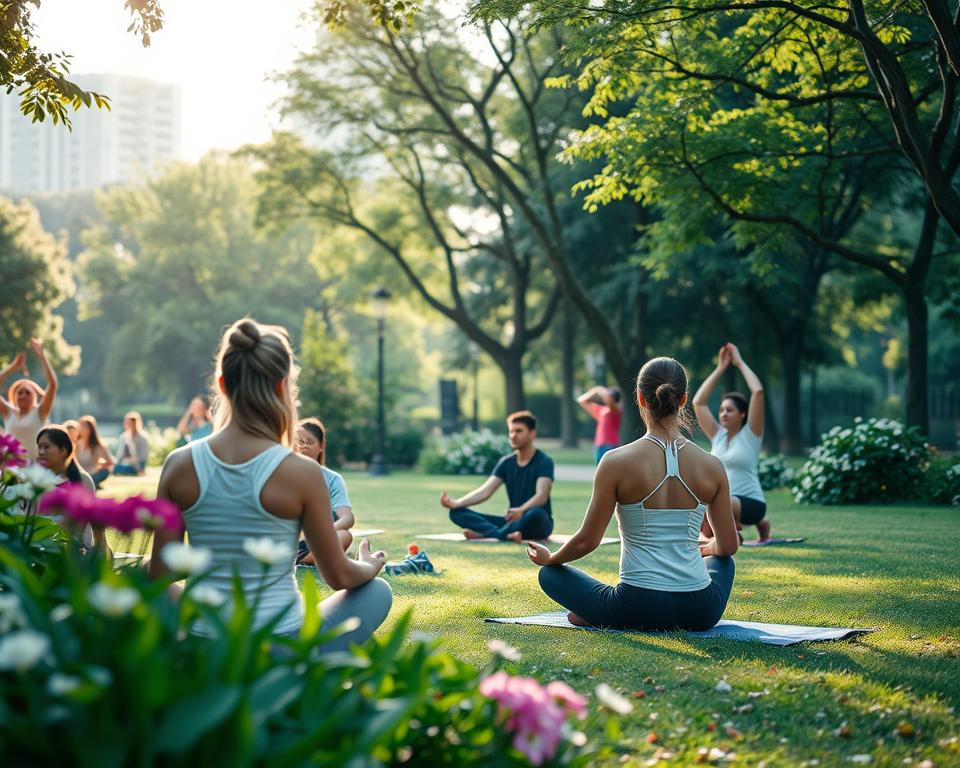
[587, 401]
[50, 394]
[540, 497]
[701, 400]
[345, 518]
[720, 515]
[476, 496]
[162, 537]
[17, 362]
[183, 426]
[594, 525]
[104, 458]
[755, 412]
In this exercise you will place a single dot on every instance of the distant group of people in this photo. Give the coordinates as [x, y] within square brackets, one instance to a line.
[254, 469]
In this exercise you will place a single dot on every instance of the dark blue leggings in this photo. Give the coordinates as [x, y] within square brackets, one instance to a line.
[628, 607]
[535, 523]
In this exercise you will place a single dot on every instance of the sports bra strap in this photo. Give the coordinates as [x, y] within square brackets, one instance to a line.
[671, 454]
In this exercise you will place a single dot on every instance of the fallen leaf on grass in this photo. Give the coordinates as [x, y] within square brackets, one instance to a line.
[711, 726]
[905, 730]
[843, 732]
[639, 694]
[733, 733]
[743, 709]
[652, 737]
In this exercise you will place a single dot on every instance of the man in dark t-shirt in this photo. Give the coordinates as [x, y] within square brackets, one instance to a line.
[528, 475]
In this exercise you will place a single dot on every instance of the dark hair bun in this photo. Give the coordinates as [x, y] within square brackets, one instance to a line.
[245, 336]
[667, 398]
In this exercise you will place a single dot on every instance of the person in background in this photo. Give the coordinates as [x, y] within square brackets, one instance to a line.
[56, 452]
[27, 405]
[736, 439]
[528, 476]
[92, 454]
[603, 405]
[196, 422]
[312, 443]
[73, 429]
[134, 450]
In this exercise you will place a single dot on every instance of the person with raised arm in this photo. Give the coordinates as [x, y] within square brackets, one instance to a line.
[603, 405]
[661, 487]
[736, 436]
[27, 406]
[245, 494]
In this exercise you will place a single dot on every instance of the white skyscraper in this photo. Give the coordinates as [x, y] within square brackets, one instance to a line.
[140, 133]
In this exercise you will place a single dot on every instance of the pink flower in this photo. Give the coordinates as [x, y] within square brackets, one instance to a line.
[134, 513]
[12, 452]
[530, 713]
[571, 701]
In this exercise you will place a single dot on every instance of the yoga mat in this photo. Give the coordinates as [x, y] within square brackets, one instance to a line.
[361, 532]
[126, 556]
[557, 538]
[772, 542]
[772, 634]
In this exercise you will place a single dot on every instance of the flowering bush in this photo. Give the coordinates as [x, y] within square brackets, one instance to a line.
[160, 441]
[774, 472]
[465, 453]
[874, 460]
[943, 480]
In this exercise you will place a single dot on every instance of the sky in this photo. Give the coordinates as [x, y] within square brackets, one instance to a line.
[219, 52]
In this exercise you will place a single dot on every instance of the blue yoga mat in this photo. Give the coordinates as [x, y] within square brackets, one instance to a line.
[753, 631]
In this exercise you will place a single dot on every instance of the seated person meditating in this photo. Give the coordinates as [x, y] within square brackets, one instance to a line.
[661, 486]
[244, 482]
[134, 449]
[312, 443]
[528, 475]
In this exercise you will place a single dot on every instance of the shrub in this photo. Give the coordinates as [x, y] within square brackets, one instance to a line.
[404, 447]
[465, 453]
[774, 472]
[161, 441]
[943, 480]
[98, 666]
[874, 460]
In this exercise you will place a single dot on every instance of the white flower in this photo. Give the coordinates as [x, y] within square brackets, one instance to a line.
[22, 650]
[504, 651]
[204, 594]
[723, 687]
[267, 551]
[39, 477]
[19, 491]
[11, 613]
[182, 558]
[613, 700]
[112, 601]
[61, 613]
[61, 685]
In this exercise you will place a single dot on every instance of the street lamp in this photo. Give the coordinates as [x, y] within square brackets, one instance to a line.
[380, 297]
[474, 361]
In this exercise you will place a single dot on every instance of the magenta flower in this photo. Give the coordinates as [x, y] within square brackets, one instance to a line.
[530, 713]
[12, 452]
[571, 701]
[135, 513]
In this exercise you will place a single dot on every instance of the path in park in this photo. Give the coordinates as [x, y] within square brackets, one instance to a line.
[574, 472]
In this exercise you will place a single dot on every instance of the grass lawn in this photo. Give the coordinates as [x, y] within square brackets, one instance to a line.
[894, 568]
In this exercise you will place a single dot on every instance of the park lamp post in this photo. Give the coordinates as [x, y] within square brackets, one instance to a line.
[380, 297]
[475, 363]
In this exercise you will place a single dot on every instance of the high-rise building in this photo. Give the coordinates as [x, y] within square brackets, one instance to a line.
[140, 133]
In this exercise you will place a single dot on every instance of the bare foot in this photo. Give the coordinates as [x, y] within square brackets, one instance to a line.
[577, 621]
[515, 536]
[468, 534]
[763, 530]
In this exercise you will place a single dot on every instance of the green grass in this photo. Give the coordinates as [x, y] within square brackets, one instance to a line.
[891, 567]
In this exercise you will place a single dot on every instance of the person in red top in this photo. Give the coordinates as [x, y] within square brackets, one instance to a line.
[603, 405]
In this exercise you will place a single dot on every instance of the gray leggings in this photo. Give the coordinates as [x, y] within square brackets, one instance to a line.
[369, 603]
[628, 607]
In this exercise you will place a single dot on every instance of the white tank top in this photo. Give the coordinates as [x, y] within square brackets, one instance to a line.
[659, 548]
[228, 511]
[25, 428]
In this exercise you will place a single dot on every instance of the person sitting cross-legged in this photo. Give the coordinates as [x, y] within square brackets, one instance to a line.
[528, 475]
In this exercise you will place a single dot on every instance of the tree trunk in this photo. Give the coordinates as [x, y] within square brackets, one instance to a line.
[568, 410]
[512, 367]
[917, 342]
[791, 436]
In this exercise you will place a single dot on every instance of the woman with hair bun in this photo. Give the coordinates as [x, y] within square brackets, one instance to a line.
[661, 487]
[736, 439]
[245, 483]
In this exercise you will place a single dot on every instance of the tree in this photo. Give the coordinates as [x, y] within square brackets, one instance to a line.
[36, 278]
[177, 259]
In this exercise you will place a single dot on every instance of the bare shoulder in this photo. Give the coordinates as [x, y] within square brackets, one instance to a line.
[177, 461]
[705, 459]
[297, 470]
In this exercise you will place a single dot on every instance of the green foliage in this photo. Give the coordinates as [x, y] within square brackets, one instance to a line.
[465, 453]
[404, 446]
[943, 479]
[876, 460]
[329, 391]
[774, 472]
[161, 441]
[37, 278]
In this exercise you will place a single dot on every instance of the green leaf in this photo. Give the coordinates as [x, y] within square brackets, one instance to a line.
[273, 691]
[195, 716]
